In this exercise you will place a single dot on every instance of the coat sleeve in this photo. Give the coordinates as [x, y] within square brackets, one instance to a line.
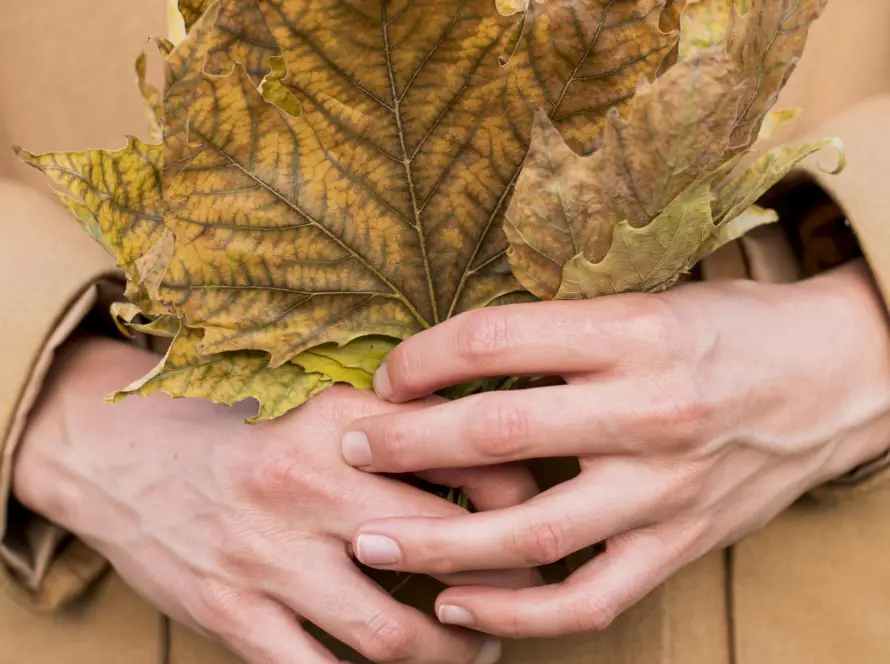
[862, 192]
[53, 272]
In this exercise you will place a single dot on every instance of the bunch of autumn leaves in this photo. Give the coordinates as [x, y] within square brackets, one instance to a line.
[326, 178]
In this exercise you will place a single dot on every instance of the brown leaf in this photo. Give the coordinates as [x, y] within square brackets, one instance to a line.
[565, 204]
[766, 42]
[645, 259]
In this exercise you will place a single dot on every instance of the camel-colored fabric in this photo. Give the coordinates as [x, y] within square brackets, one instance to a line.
[813, 587]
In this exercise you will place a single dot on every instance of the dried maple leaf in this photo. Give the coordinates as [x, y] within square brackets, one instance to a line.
[116, 194]
[378, 210]
[227, 378]
[239, 34]
[567, 205]
[640, 211]
[331, 173]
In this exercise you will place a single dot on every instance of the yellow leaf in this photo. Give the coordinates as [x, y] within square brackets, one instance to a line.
[85, 218]
[115, 194]
[566, 205]
[354, 363]
[378, 210]
[226, 378]
[124, 313]
[152, 103]
[645, 259]
[239, 34]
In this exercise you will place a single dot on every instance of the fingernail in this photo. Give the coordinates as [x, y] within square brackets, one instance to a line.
[382, 386]
[490, 652]
[378, 550]
[356, 449]
[455, 615]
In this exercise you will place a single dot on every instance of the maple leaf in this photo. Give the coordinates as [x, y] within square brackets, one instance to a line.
[333, 178]
[116, 195]
[631, 216]
[239, 34]
[378, 210]
[227, 378]
[354, 363]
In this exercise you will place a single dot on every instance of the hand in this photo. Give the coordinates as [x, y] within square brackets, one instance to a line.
[239, 531]
[697, 414]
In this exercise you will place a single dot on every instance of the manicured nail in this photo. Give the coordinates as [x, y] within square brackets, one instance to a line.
[382, 386]
[356, 449]
[490, 652]
[378, 550]
[455, 615]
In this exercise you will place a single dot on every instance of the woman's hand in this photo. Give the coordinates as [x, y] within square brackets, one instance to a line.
[239, 531]
[697, 415]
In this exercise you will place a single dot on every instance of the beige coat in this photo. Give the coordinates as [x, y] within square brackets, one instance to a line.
[813, 587]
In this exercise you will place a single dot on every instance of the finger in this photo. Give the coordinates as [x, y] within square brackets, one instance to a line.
[619, 496]
[489, 487]
[373, 497]
[269, 632]
[498, 427]
[588, 601]
[525, 339]
[348, 606]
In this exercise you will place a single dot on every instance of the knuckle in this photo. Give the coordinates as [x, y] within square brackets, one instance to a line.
[586, 613]
[540, 543]
[215, 607]
[684, 412]
[385, 639]
[684, 490]
[499, 428]
[337, 403]
[654, 321]
[482, 335]
[274, 475]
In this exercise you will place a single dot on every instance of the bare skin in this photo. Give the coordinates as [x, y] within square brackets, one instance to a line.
[697, 416]
[241, 532]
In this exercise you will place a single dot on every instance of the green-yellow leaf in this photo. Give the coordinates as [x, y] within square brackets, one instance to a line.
[733, 229]
[227, 378]
[741, 191]
[275, 88]
[354, 363]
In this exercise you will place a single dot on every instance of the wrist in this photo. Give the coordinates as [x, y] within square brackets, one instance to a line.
[54, 455]
[856, 317]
